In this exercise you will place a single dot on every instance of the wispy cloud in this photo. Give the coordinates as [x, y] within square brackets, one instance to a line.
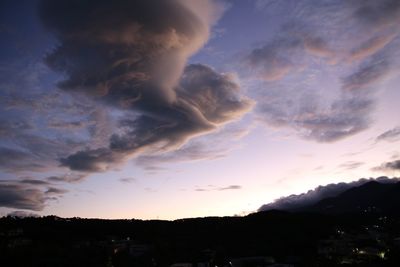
[291, 97]
[273, 61]
[213, 146]
[215, 188]
[231, 187]
[34, 182]
[350, 165]
[367, 75]
[127, 180]
[390, 135]
[67, 178]
[53, 191]
[371, 46]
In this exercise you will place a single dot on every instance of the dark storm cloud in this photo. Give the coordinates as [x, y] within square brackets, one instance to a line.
[131, 55]
[390, 135]
[311, 197]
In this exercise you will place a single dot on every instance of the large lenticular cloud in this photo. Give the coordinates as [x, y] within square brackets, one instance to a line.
[131, 56]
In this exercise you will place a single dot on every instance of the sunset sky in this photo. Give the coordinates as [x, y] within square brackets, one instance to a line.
[186, 108]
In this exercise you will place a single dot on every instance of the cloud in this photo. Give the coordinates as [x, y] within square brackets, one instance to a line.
[131, 56]
[145, 37]
[345, 117]
[388, 166]
[16, 160]
[231, 187]
[213, 146]
[21, 197]
[316, 75]
[390, 135]
[371, 46]
[7, 127]
[317, 46]
[90, 160]
[26, 147]
[34, 182]
[261, 4]
[311, 197]
[273, 60]
[350, 165]
[378, 14]
[213, 188]
[28, 194]
[55, 191]
[285, 105]
[127, 180]
[70, 125]
[205, 100]
[67, 178]
[367, 75]
[286, 53]
[190, 152]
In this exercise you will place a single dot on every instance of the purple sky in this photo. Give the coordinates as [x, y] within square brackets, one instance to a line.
[184, 108]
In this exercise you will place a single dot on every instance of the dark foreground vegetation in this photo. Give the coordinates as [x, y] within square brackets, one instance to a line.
[365, 236]
[296, 239]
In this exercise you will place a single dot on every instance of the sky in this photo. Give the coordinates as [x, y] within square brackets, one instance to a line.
[166, 109]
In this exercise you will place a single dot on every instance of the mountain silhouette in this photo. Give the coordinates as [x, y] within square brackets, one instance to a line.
[371, 197]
